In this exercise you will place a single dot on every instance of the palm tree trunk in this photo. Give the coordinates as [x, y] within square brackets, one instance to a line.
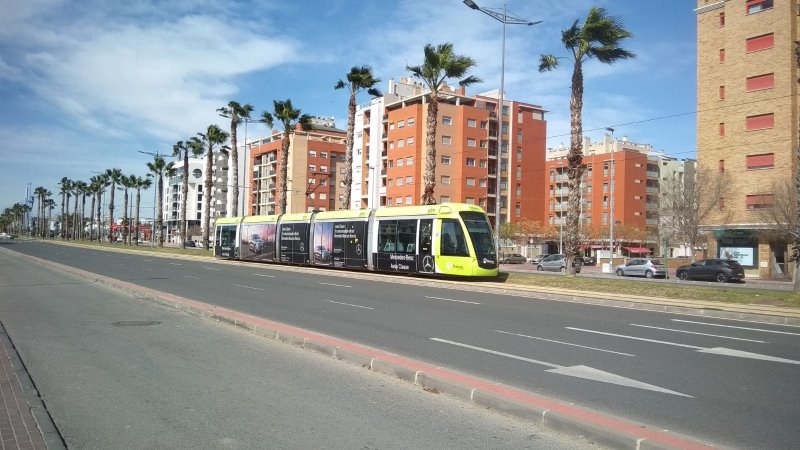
[99, 216]
[66, 218]
[348, 171]
[429, 179]
[574, 168]
[138, 199]
[62, 225]
[127, 234]
[284, 172]
[111, 213]
[91, 217]
[184, 199]
[235, 168]
[160, 211]
[207, 199]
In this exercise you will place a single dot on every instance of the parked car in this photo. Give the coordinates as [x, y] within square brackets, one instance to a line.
[642, 267]
[588, 261]
[5, 236]
[557, 263]
[721, 270]
[190, 244]
[535, 260]
[513, 258]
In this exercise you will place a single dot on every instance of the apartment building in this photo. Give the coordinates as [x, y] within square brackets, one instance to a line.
[316, 160]
[747, 102]
[634, 172]
[478, 159]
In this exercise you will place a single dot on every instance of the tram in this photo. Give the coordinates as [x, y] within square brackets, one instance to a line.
[451, 239]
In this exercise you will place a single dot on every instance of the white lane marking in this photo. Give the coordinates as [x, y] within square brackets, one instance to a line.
[333, 284]
[701, 334]
[149, 270]
[579, 371]
[194, 278]
[211, 268]
[739, 328]
[263, 275]
[148, 260]
[350, 304]
[248, 287]
[564, 343]
[715, 350]
[176, 264]
[452, 300]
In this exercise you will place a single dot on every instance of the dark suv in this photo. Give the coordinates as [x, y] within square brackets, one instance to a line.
[722, 270]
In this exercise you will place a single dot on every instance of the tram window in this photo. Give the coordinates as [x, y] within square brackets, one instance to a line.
[227, 236]
[387, 236]
[453, 242]
[406, 236]
[425, 236]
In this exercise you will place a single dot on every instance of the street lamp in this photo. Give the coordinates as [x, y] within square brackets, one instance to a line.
[155, 196]
[506, 19]
[611, 203]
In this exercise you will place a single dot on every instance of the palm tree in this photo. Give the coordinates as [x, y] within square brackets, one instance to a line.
[291, 118]
[64, 186]
[440, 64]
[160, 169]
[212, 137]
[238, 114]
[141, 183]
[94, 191]
[127, 182]
[40, 192]
[49, 204]
[182, 149]
[599, 37]
[103, 182]
[80, 193]
[358, 79]
[114, 175]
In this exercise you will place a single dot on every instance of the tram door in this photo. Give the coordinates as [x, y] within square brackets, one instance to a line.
[425, 260]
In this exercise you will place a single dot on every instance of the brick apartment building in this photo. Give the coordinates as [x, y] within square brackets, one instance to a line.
[747, 102]
[478, 160]
[316, 157]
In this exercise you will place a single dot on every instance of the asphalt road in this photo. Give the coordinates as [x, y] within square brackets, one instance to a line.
[731, 383]
[117, 372]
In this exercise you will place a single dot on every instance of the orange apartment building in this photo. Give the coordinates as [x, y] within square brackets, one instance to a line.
[478, 160]
[315, 159]
[747, 119]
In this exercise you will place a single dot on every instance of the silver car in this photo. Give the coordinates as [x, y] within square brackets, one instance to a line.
[556, 263]
[642, 267]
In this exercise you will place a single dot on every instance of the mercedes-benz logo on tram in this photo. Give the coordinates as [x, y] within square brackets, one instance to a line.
[358, 249]
[427, 263]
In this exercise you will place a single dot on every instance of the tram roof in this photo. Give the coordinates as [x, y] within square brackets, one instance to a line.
[343, 214]
[227, 221]
[443, 209]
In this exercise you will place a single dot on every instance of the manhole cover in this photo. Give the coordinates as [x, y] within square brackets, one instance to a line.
[135, 323]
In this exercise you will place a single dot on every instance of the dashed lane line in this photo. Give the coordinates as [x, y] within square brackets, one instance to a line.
[452, 300]
[350, 304]
[701, 334]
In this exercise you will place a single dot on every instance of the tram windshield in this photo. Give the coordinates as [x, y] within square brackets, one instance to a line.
[481, 235]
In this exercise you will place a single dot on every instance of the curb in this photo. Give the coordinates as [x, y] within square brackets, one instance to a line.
[575, 421]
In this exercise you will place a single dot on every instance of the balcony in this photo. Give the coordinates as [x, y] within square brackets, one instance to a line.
[652, 174]
[653, 222]
[651, 190]
[493, 134]
[652, 206]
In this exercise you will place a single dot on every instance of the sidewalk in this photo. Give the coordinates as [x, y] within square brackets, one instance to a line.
[19, 430]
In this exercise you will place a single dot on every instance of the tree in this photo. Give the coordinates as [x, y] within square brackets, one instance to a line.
[102, 183]
[160, 169]
[290, 118]
[238, 114]
[440, 64]
[127, 182]
[782, 215]
[358, 79]
[40, 193]
[114, 176]
[599, 37]
[686, 204]
[183, 149]
[141, 183]
[95, 184]
[213, 137]
[64, 187]
[50, 204]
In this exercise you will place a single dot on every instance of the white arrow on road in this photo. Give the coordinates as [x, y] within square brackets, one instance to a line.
[580, 371]
[716, 350]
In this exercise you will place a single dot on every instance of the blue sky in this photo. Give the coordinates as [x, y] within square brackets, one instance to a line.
[87, 84]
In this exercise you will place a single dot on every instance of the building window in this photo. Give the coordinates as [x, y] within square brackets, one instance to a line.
[484, 124]
[400, 162]
[446, 160]
[409, 180]
[472, 123]
[409, 201]
[519, 153]
[391, 145]
[447, 120]
[721, 203]
[400, 124]
[445, 179]
[391, 126]
[312, 195]
[519, 136]
[759, 82]
[312, 181]
[518, 209]
[398, 201]
[762, 42]
[401, 143]
[721, 19]
[483, 163]
[410, 161]
[722, 92]
[470, 162]
[471, 142]
[760, 201]
[312, 168]
[312, 153]
[763, 161]
[722, 128]
[389, 201]
[323, 196]
[410, 121]
[470, 181]
[722, 55]
[323, 154]
[400, 181]
[721, 166]
[390, 182]
[446, 140]
[323, 169]
[469, 200]
[483, 182]
[754, 6]
[760, 122]
[444, 199]
[410, 141]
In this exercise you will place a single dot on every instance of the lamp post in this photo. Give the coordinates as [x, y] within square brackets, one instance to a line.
[155, 197]
[611, 203]
[504, 17]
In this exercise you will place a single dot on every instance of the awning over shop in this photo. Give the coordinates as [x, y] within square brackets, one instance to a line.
[637, 250]
[593, 246]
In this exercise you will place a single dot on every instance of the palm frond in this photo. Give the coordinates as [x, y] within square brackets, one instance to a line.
[547, 63]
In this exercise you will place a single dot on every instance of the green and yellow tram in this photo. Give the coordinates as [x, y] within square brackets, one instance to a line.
[451, 239]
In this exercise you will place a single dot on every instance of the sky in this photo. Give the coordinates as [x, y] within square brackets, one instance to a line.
[86, 85]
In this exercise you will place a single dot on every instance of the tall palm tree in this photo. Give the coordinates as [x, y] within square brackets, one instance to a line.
[440, 64]
[193, 146]
[80, 192]
[141, 183]
[160, 169]
[114, 175]
[214, 136]
[64, 186]
[103, 182]
[238, 114]
[599, 37]
[358, 79]
[290, 118]
[49, 204]
[39, 193]
[126, 182]
[94, 189]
